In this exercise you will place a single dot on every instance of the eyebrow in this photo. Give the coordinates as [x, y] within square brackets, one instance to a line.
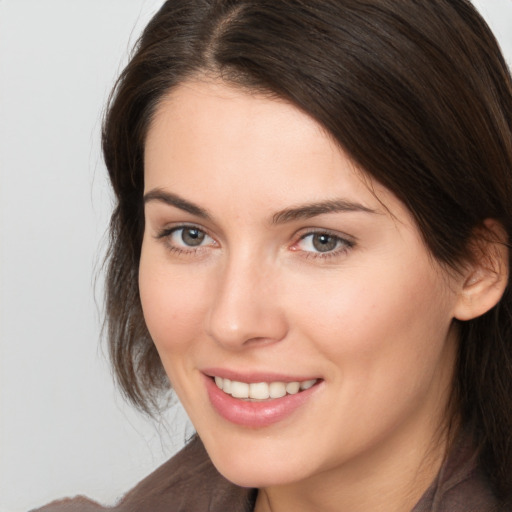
[306, 211]
[313, 209]
[177, 201]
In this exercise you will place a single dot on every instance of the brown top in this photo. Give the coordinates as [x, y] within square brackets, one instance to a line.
[190, 483]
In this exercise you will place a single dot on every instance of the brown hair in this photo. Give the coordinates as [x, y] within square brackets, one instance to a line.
[416, 92]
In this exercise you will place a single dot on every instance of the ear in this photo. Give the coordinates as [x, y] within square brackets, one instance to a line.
[485, 277]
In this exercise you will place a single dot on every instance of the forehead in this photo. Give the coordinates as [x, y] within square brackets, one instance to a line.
[249, 149]
[218, 112]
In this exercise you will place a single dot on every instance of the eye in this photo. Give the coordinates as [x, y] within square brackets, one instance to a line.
[323, 243]
[186, 238]
[191, 237]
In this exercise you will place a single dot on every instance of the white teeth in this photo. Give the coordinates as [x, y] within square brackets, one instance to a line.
[277, 389]
[262, 390]
[307, 384]
[239, 389]
[218, 381]
[259, 391]
[292, 387]
[226, 386]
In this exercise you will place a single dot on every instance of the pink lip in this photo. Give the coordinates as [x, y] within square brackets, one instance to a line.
[254, 376]
[255, 414]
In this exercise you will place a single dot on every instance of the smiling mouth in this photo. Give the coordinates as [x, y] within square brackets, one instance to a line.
[262, 390]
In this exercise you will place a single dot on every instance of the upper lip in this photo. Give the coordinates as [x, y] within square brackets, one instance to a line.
[255, 376]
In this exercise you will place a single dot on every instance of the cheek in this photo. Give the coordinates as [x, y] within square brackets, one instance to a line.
[373, 320]
[385, 337]
[173, 304]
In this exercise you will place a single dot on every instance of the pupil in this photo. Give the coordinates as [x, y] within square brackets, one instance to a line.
[324, 242]
[192, 236]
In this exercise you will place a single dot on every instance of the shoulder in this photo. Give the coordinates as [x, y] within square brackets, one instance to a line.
[188, 481]
[461, 484]
[78, 504]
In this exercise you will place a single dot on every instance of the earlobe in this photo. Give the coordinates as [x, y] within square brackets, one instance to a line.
[486, 276]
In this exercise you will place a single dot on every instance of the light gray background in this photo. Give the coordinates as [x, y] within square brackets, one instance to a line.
[64, 430]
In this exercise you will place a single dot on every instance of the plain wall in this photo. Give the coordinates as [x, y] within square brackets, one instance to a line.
[64, 430]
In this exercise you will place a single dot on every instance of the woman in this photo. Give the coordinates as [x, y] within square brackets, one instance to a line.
[311, 244]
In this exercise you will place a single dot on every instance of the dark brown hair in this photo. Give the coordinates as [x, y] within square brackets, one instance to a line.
[415, 91]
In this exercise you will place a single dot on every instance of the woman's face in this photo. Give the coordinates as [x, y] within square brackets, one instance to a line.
[269, 264]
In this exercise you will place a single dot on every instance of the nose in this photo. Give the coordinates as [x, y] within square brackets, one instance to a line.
[245, 308]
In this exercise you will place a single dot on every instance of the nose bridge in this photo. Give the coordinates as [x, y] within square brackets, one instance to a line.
[244, 306]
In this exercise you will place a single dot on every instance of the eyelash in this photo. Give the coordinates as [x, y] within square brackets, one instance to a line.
[167, 233]
[343, 245]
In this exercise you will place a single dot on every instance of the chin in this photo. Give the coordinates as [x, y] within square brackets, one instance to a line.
[258, 476]
[260, 466]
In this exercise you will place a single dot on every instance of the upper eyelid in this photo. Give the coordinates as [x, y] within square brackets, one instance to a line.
[297, 237]
[331, 232]
[169, 228]
[165, 235]
[343, 240]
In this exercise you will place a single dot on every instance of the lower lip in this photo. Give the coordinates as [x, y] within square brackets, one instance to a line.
[255, 414]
